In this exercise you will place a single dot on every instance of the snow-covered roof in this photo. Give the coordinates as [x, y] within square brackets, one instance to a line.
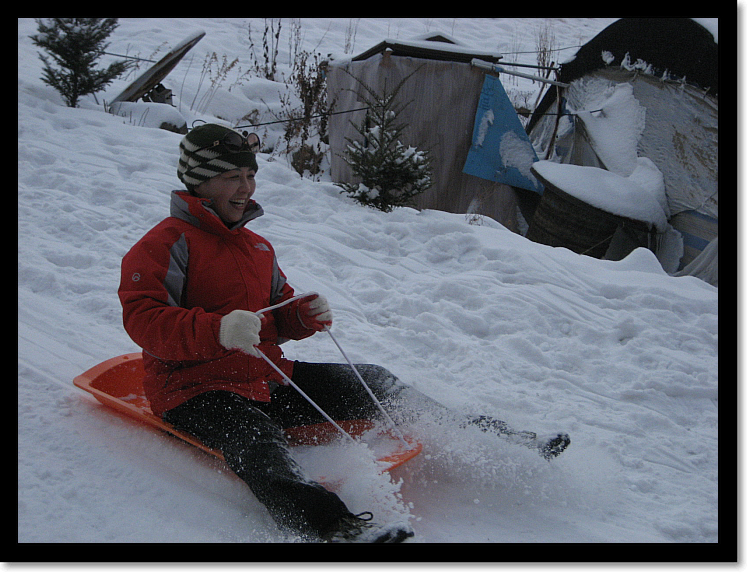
[432, 49]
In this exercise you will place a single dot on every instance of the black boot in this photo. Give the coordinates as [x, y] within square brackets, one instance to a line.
[359, 529]
[549, 448]
[552, 447]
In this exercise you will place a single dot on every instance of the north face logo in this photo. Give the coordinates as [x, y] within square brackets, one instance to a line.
[262, 247]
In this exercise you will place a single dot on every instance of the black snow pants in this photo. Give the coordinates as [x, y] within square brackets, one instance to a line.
[250, 436]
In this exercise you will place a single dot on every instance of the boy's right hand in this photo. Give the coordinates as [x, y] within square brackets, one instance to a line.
[240, 330]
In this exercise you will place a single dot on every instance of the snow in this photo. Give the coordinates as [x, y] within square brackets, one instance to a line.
[486, 121]
[147, 114]
[439, 46]
[518, 153]
[637, 197]
[619, 354]
[614, 122]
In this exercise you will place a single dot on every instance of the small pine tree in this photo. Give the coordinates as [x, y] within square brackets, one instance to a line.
[75, 44]
[390, 173]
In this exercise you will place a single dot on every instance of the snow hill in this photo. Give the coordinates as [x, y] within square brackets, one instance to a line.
[619, 354]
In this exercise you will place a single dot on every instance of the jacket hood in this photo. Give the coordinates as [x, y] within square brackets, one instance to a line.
[199, 212]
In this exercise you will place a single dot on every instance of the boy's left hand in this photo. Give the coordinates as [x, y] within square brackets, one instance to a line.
[314, 313]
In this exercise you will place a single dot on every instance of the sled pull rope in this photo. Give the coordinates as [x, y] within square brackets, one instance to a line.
[355, 370]
[366, 387]
[284, 303]
[307, 398]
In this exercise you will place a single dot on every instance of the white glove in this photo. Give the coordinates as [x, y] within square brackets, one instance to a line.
[315, 313]
[240, 329]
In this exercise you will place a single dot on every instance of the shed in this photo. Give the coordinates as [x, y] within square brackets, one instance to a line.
[668, 68]
[444, 93]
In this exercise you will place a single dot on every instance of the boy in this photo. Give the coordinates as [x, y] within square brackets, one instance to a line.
[190, 290]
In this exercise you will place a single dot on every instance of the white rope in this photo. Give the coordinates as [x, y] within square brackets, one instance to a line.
[300, 391]
[355, 370]
[366, 386]
[284, 303]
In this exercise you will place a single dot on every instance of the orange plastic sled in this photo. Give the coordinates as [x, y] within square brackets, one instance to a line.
[118, 384]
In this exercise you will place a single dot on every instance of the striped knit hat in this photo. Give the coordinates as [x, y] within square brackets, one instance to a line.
[202, 156]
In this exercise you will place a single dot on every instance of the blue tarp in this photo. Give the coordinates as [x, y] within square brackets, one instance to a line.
[501, 150]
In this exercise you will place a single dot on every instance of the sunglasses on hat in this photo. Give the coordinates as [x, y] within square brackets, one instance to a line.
[235, 142]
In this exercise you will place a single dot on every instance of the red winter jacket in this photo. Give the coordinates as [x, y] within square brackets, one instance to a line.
[177, 283]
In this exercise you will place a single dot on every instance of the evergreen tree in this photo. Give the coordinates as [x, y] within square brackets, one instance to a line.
[390, 173]
[75, 44]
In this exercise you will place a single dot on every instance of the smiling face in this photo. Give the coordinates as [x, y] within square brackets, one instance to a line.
[230, 193]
